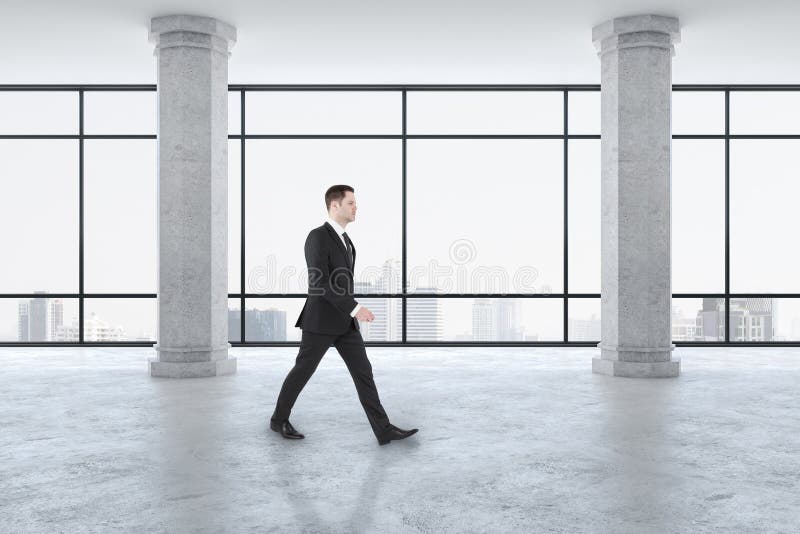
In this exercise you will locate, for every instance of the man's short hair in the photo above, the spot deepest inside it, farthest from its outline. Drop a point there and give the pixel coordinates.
(337, 193)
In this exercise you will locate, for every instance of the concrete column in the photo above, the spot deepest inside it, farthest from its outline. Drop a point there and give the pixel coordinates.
(636, 84)
(192, 57)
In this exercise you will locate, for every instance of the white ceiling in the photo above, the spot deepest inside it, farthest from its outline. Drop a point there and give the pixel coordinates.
(396, 41)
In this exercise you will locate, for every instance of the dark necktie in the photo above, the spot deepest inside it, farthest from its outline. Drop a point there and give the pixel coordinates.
(349, 248)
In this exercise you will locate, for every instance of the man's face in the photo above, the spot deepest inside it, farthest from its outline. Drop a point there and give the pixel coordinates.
(346, 209)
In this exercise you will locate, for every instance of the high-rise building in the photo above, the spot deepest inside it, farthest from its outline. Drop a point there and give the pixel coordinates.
(482, 320)
(265, 325)
(751, 319)
(496, 320)
(507, 319)
(584, 329)
(38, 319)
(56, 317)
(24, 320)
(391, 282)
(376, 330)
(388, 311)
(424, 321)
(711, 320)
(234, 325)
(33, 322)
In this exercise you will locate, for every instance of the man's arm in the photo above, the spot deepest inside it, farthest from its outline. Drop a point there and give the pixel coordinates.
(320, 279)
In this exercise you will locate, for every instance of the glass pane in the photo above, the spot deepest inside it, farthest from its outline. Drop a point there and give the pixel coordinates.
(38, 319)
(698, 112)
(234, 215)
(234, 112)
(38, 112)
(119, 319)
(480, 319)
(485, 112)
(485, 215)
(785, 320)
(698, 319)
(584, 216)
(272, 319)
(584, 320)
(120, 112)
(39, 215)
(584, 112)
(752, 319)
(120, 188)
(764, 188)
(324, 112)
(698, 216)
(765, 112)
(388, 323)
(234, 320)
(286, 184)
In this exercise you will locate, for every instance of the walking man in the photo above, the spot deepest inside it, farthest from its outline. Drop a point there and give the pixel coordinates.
(330, 317)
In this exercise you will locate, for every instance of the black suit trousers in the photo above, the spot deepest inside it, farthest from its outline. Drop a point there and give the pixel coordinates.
(350, 346)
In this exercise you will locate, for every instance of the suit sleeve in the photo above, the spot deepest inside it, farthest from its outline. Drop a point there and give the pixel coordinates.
(320, 278)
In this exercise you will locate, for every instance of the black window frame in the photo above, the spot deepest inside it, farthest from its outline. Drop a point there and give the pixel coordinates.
(403, 137)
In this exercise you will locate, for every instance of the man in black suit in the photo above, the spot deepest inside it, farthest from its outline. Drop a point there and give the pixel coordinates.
(330, 316)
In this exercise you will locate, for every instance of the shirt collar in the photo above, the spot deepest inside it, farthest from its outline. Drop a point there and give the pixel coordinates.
(336, 226)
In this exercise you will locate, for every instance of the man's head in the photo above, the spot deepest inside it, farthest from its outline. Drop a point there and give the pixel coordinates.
(341, 204)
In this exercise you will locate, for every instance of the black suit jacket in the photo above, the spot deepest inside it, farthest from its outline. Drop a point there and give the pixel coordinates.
(330, 284)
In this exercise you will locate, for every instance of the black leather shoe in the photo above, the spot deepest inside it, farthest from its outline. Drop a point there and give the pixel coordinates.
(286, 429)
(395, 433)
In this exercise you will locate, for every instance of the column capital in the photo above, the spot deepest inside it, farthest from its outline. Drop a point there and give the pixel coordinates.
(192, 30)
(655, 31)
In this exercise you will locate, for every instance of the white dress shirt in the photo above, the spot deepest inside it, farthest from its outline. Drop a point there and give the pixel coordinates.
(340, 231)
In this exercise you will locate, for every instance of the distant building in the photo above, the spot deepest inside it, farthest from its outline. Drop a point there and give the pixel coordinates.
(507, 320)
(584, 329)
(496, 320)
(711, 320)
(265, 325)
(56, 317)
(234, 325)
(482, 320)
(751, 319)
(424, 321)
(24, 320)
(38, 319)
(375, 330)
(388, 324)
(94, 329)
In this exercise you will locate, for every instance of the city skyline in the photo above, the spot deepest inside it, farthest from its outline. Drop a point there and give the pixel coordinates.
(487, 319)
(41, 319)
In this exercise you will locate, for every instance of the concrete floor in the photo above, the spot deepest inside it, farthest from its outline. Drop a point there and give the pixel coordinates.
(511, 440)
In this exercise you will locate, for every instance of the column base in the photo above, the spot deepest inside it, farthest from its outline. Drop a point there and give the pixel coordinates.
(192, 369)
(667, 369)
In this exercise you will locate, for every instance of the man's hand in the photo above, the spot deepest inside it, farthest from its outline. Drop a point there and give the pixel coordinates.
(365, 315)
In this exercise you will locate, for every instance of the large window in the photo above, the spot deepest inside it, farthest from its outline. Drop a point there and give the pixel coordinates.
(78, 212)
(735, 175)
(478, 212)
